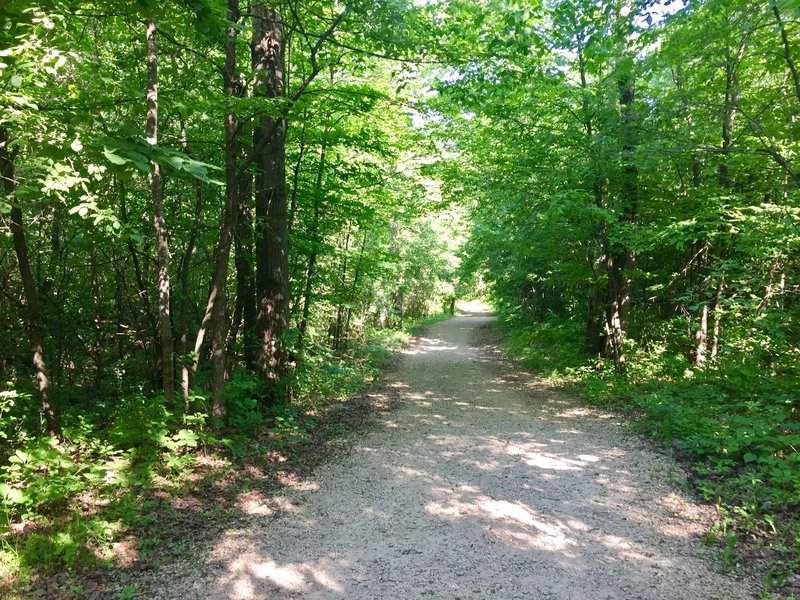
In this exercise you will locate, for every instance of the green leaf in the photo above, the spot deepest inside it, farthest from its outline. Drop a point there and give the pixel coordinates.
(113, 157)
(11, 495)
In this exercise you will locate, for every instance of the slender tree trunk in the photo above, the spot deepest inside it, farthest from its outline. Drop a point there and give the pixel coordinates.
(296, 172)
(619, 256)
(119, 307)
(354, 285)
(184, 271)
(245, 277)
(97, 319)
(183, 320)
(730, 110)
(159, 222)
(269, 142)
(312, 258)
(717, 312)
(787, 51)
(702, 338)
(614, 312)
(33, 320)
(337, 328)
(593, 338)
(219, 324)
(707, 302)
(307, 297)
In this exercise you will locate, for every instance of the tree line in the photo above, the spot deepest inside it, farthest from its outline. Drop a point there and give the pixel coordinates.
(195, 188)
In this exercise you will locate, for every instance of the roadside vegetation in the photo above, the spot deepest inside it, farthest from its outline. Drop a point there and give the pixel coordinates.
(132, 483)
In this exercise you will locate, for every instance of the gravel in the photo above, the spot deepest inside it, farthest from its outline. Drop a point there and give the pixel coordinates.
(483, 482)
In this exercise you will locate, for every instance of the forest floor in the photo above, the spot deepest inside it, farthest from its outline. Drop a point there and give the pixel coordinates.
(477, 480)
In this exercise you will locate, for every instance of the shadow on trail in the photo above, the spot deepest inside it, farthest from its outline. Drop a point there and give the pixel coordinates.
(482, 484)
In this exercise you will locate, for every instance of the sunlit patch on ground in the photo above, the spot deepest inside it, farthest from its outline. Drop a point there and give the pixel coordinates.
(478, 481)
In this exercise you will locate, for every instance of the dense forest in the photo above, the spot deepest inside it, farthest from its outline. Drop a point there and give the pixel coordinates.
(216, 213)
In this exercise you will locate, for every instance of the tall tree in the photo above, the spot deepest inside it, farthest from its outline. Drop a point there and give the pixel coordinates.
(269, 156)
(159, 222)
(33, 313)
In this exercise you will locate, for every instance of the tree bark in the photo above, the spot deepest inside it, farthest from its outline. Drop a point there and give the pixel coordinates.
(354, 285)
(787, 50)
(716, 310)
(184, 271)
(159, 222)
(619, 256)
(219, 324)
(312, 258)
(33, 314)
(296, 172)
(730, 109)
(593, 340)
(702, 338)
(269, 141)
(337, 327)
(245, 277)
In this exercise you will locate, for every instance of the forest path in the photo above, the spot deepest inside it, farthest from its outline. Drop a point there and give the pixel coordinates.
(484, 483)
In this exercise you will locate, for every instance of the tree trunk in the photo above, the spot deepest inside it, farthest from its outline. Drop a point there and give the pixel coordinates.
(354, 285)
(219, 324)
(702, 338)
(185, 269)
(787, 51)
(312, 258)
(183, 320)
(615, 310)
(269, 141)
(296, 172)
(307, 295)
(245, 278)
(618, 256)
(593, 340)
(119, 308)
(33, 320)
(159, 223)
(337, 328)
(717, 311)
(730, 109)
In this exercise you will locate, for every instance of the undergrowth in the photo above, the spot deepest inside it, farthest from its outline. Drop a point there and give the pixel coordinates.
(735, 425)
(65, 503)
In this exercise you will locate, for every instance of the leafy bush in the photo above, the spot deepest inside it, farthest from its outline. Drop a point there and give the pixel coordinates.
(141, 425)
(241, 396)
(43, 475)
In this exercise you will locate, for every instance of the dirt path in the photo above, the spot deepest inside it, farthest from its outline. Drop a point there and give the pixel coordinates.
(481, 485)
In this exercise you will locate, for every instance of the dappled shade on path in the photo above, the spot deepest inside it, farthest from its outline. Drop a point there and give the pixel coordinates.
(484, 483)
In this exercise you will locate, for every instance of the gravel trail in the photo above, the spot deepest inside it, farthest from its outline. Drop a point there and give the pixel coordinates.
(484, 483)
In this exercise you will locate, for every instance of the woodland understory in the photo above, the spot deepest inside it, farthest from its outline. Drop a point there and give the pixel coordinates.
(218, 218)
